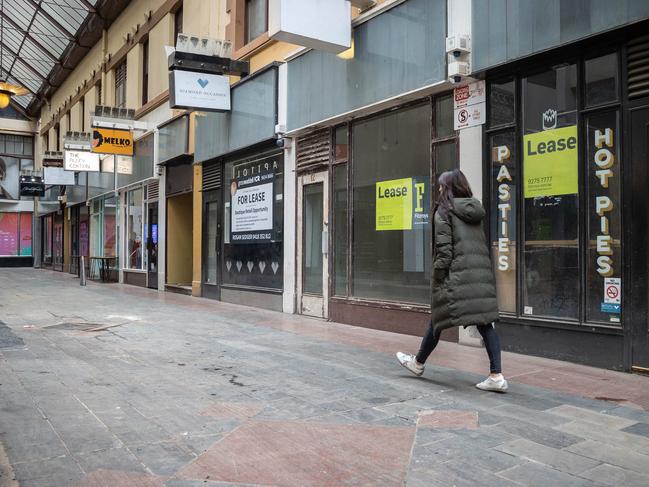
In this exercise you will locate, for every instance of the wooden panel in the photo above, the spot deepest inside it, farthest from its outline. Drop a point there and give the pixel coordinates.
(313, 151)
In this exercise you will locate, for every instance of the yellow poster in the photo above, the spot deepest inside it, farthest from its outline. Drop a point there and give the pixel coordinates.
(394, 204)
(112, 141)
(551, 162)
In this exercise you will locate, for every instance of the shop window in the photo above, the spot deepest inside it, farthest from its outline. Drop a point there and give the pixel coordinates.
(145, 72)
(604, 209)
(47, 239)
(120, 85)
(25, 229)
(110, 237)
(135, 229)
(256, 19)
(502, 103)
(601, 80)
(391, 230)
(551, 210)
(444, 116)
(211, 223)
(341, 143)
(445, 158)
(254, 227)
(341, 229)
(504, 180)
(9, 234)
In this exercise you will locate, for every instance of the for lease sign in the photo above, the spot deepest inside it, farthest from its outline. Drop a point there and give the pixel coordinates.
(550, 162)
(252, 208)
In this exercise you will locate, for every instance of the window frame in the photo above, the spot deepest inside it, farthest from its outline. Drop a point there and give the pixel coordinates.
(120, 84)
(145, 72)
(583, 112)
(128, 227)
(246, 33)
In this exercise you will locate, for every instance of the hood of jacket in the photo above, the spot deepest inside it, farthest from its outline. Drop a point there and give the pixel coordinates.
(469, 210)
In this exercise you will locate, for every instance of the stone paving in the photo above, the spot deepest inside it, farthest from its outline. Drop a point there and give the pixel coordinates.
(112, 385)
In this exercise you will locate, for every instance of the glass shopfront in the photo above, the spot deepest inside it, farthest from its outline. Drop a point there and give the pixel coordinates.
(555, 192)
(382, 245)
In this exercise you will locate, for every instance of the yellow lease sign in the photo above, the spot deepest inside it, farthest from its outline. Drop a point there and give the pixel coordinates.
(112, 141)
(394, 204)
(550, 162)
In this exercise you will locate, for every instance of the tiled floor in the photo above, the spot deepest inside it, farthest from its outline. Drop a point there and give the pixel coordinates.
(180, 392)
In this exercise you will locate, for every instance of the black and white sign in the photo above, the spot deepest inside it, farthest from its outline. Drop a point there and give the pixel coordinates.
(81, 161)
(58, 176)
(252, 208)
(613, 290)
(32, 186)
(202, 91)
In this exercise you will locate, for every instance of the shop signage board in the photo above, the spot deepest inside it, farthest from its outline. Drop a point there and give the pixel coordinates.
(550, 162)
(124, 164)
(81, 161)
(401, 204)
(469, 105)
(58, 176)
(251, 212)
(112, 141)
(32, 187)
(208, 92)
(612, 290)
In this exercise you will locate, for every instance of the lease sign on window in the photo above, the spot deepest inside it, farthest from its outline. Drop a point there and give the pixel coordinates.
(401, 204)
(550, 162)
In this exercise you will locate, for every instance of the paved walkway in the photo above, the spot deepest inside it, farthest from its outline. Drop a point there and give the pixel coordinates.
(113, 385)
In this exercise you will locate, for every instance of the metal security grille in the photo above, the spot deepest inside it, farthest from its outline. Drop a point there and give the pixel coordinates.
(153, 190)
(212, 177)
(313, 150)
(638, 67)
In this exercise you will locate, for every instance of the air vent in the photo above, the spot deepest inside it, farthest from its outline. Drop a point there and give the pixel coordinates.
(313, 150)
(153, 190)
(638, 67)
(212, 177)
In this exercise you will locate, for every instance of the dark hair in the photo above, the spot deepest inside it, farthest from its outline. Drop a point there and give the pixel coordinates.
(453, 185)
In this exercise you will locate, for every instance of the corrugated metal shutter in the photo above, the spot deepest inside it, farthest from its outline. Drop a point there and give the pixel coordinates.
(153, 190)
(212, 177)
(638, 67)
(313, 150)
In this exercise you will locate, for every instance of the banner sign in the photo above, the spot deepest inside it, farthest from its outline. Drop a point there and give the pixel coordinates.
(81, 161)
(112, 141)
(251, 212)
(401, 204)
(209, 92)
(550, 162)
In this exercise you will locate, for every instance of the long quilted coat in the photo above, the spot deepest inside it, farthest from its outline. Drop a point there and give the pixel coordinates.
(464, 290)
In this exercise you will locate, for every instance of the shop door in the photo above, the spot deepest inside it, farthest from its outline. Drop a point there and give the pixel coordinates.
(211, 246)
(58, 243)
(313, 245)
(152, 245)
(638, 299)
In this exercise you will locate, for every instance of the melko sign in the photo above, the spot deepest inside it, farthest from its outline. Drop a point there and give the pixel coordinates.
(112, 141)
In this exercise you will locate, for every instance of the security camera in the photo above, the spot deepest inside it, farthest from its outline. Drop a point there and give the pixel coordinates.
(283, 143)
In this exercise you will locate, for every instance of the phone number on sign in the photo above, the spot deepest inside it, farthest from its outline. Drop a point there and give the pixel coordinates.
(545, 180)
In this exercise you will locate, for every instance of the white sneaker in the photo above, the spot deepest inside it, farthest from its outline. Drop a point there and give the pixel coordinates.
(494, 385)
(410, 363)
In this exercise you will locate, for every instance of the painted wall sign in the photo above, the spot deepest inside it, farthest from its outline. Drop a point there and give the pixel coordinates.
(401, 204)
(112, 141)
(251, 212)
(501, 155)
(208, 92)
(550, 162)
(81, 161)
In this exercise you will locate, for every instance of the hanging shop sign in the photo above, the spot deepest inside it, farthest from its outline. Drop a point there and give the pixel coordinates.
(251, 212)
(32, 186)
(469, 105)
(112, 141)
(201, 91)
(550, 162)
(124, 164)
(81, 161)
(58, 176)
(501, 155)
(401, 204)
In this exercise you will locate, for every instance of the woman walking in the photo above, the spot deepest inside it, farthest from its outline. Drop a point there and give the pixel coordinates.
(464, 290)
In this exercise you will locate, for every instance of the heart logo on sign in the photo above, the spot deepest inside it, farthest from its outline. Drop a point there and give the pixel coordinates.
(262, 266)
(202, 82)
(228, 264)
(274, 266)
(239, 265)
(250, 265)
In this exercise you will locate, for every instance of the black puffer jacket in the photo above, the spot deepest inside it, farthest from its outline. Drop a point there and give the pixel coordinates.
(464, 291)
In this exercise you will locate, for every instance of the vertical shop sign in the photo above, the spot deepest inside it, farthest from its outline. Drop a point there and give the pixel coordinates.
(501, 155)
(252, 208)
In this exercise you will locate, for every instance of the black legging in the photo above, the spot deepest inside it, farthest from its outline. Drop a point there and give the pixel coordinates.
(489, 335)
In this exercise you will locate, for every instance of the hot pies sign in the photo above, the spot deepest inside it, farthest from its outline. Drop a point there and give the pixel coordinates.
(112, 141)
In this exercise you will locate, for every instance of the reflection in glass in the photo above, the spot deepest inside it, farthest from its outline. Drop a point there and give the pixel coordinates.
(444, 116)
(601, 79)
(341, 143)
(312, 225)
(502, 103)
(212, 215)
(256, 20)
(134, 228)
(9, 234)
(341, 232)
(392, 264)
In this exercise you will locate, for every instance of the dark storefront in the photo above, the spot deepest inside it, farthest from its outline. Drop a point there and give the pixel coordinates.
(565, 168)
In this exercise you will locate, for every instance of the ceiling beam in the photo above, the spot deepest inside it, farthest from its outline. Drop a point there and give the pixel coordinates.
(89, 6)
(29, 36)
(24, 63)
(64, 31)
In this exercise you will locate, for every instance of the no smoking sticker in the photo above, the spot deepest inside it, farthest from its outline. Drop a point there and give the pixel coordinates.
(612, 290)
